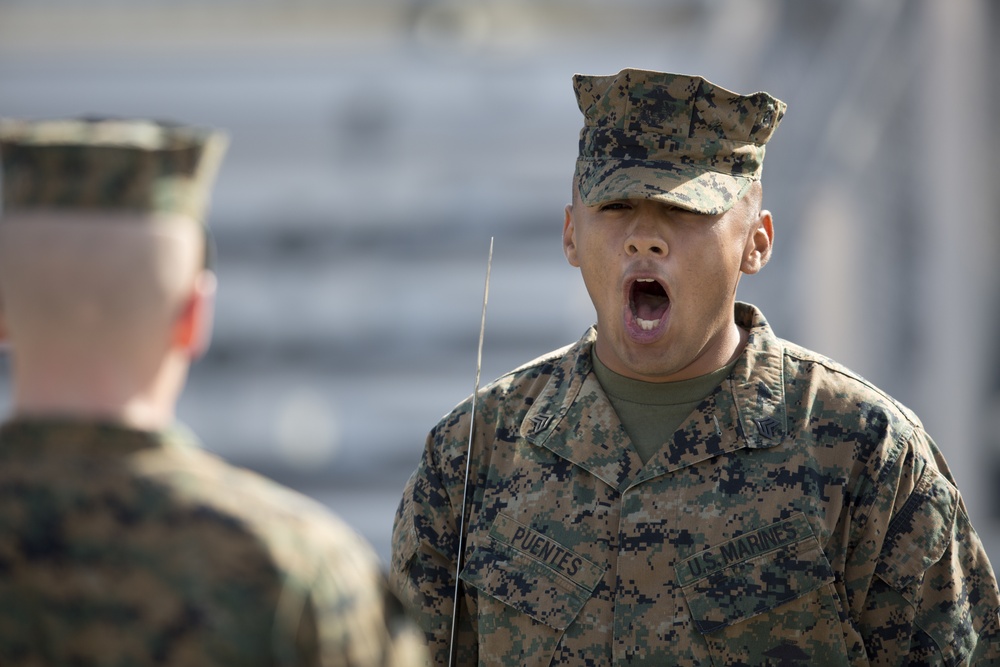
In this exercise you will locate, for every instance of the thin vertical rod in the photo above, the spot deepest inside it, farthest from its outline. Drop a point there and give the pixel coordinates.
(468, 462)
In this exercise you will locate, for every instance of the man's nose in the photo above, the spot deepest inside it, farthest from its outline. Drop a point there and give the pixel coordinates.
(645, 237)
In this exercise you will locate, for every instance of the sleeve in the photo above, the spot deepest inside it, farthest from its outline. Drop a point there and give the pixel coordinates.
(335, 608)
(929, 596)
(405, 646)
(425, 539)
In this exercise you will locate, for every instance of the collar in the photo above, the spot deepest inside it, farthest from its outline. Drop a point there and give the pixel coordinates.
(574, 419)
(60, 436)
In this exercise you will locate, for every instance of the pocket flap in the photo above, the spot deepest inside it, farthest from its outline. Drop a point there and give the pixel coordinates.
(919, 534)
(532, 573)
(753, 573)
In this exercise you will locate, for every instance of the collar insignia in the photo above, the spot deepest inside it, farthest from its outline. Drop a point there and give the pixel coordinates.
(539, 423)
(769, 427)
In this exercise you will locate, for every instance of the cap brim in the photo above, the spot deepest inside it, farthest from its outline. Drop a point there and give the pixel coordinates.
(706, 192)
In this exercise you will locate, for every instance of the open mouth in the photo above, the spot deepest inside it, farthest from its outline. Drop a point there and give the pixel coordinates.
(649, 302)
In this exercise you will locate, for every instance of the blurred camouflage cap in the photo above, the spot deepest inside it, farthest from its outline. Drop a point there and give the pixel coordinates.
(137, 166)
(670, 137)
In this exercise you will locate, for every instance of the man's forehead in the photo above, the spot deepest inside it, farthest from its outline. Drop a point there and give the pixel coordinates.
(636, 201)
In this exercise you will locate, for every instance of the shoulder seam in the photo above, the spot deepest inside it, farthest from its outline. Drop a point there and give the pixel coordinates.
(538, 361)
(841, 370)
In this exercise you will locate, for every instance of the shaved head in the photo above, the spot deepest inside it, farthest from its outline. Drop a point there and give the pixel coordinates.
(95, 296)
(97, 277)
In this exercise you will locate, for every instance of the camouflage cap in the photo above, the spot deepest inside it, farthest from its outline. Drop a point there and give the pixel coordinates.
(138, 166)
(670, 137)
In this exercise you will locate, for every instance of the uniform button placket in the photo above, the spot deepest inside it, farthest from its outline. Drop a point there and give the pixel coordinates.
(625, 580)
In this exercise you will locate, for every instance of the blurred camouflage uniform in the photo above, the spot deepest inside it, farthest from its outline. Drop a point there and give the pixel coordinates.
(799, 516)
(128, 547)
(124, 547)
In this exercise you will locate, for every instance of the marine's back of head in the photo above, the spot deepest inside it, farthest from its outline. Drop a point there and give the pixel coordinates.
(102, 255)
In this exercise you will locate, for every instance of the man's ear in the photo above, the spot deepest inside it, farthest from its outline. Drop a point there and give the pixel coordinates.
(757, 251)
(569, 237)
(193, 326)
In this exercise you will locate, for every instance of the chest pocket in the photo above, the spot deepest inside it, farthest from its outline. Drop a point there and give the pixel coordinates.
(766, 598)
(530, 573)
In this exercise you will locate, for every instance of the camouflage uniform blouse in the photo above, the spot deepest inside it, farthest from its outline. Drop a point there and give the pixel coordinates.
(799, 517)
(126, 548)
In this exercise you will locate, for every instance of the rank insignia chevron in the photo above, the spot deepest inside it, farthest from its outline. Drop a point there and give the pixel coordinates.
(539, 423)
(768, 427)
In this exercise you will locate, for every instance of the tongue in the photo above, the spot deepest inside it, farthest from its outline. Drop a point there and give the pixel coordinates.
(650, 306)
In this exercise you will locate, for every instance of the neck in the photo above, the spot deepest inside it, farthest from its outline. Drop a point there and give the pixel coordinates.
(742, 336)
(96, 392)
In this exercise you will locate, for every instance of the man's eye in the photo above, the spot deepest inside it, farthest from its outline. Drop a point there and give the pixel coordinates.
(615, 206)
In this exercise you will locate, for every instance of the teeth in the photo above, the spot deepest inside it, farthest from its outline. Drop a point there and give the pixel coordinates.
(645, 280)
(647, 325)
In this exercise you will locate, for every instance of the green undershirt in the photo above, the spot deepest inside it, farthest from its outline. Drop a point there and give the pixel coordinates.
(652, 411)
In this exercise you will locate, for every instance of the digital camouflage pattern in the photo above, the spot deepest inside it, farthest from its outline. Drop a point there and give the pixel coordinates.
(799, 516)
(670, 137)
(136, 166)
(122, 547)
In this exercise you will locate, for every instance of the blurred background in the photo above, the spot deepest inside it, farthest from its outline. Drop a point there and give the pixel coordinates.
(377, 145)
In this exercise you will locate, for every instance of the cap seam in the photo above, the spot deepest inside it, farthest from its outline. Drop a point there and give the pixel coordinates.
(748, 142)
(650, 163)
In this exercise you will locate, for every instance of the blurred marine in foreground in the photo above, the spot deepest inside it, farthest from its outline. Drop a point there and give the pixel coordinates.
(681, 486)
(121, 541)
